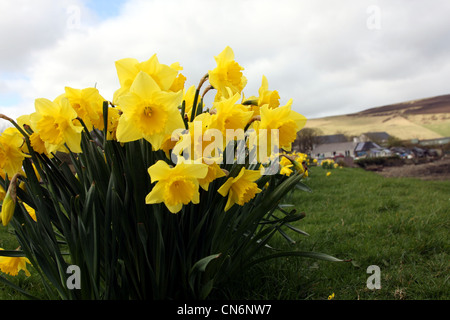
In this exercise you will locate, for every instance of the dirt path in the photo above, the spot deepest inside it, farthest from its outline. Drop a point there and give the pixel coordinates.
(437, 170)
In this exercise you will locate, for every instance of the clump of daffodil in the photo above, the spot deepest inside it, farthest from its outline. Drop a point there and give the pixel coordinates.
(176, 186)
(11, 155)
(296, 160)
(57, 125)
(152, 123)
(12, 265)
(327, 164)
(148, 112)
(240, 189)
(286, 166)
(227, 74)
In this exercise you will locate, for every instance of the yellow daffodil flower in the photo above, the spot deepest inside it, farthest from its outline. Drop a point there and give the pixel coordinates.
(266, 96)
(283, 119)
(214, 172)
(37, 143)
(57, 125)
(230, 115)
(240, 189)
(12, 265)
(165, 76)
(148, 112)
(11, 155)
(178, 83)
(88, 103)
(227, 74)
(175, 186)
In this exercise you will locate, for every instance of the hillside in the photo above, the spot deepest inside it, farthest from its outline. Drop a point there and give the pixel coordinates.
(417, 119)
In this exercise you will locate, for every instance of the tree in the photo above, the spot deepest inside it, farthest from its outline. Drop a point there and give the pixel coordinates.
(306, 139)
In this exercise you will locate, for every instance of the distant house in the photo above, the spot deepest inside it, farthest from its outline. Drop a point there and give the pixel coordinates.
(334, 146)
(370, 149)
(331, 150)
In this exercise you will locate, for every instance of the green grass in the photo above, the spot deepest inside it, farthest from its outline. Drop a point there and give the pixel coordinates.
(398, 224)
(31, 284)
(440, 128)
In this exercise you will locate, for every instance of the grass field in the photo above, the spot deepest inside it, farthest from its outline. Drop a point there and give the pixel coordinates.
(441, 128)
(398, 224)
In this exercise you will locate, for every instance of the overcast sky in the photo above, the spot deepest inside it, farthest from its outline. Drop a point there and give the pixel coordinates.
(331, 57)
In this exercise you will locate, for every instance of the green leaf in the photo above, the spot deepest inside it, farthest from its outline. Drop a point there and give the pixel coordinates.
(303, 187)
(194, 105)
(105, 119)
(198, 267)
(296, 229)
(305, 254)
(12, 253)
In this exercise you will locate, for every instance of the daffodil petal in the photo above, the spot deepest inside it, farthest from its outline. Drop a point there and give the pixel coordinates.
(159, 171)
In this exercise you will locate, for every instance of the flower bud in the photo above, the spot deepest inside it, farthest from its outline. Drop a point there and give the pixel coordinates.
(9, 203)
(8, 206)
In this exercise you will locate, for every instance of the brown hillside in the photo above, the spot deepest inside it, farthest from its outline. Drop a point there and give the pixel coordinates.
(427, 118)
(439, 104)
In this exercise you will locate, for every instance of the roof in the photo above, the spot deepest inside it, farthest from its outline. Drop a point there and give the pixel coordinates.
(377, 135)
(366, 146)
(334, 138)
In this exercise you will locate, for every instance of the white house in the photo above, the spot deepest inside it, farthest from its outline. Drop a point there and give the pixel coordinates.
(330, 150)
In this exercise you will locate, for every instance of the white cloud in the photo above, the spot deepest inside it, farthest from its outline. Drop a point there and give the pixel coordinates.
(322, 53)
